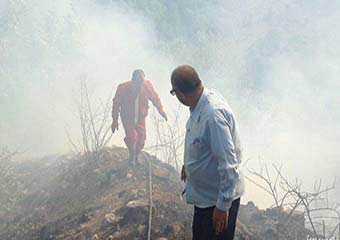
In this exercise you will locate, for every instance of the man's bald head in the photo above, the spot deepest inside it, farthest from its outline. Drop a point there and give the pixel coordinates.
(186, 79)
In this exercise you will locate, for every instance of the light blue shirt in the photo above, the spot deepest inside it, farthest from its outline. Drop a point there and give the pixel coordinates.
(212, 154)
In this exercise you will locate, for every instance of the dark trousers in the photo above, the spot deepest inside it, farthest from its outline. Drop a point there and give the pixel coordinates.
(203, 228)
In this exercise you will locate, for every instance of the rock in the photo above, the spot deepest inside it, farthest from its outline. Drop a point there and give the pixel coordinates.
(118, 235)
(161, 173)
(129, 175)
(110, 217)
(137, 203)
(141, 228)
(172, 229)
(176, 228)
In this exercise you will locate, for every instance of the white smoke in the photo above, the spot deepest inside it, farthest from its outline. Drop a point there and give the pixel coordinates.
(47, 47)
(277, 63)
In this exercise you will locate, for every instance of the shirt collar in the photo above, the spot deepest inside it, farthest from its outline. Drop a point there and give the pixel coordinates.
(195, 112)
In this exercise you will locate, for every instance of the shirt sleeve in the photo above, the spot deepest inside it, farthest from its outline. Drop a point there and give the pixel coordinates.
(154, 98)
(221, 126)
(116, 104)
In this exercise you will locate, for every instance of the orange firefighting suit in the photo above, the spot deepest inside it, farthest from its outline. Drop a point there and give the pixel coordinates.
(133, 104)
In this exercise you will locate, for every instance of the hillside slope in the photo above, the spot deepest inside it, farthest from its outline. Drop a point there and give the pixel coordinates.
(73, 198)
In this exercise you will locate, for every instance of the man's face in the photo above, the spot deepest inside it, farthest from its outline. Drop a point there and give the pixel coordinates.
(180, 96)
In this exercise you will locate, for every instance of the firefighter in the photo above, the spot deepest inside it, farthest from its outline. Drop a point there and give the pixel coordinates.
(131, 101)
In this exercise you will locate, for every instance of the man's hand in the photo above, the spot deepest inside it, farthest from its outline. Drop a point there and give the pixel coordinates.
(163, 114)
(220, 220)
(114, 127)
(183, 176)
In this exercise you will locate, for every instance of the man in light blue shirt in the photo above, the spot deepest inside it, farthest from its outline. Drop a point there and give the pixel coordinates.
(212, 155)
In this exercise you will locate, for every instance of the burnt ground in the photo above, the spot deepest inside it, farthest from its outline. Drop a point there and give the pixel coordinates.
(63, 197)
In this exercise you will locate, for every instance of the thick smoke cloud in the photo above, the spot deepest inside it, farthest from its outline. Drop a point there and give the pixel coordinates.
(291, 69)
(277, 63)
(48, 47)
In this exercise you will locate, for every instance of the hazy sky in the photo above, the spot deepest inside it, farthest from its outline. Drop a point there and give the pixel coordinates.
(277, 64)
